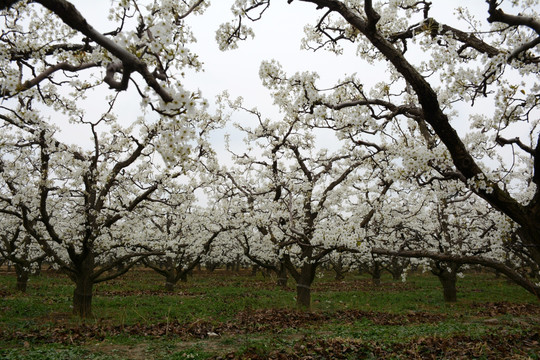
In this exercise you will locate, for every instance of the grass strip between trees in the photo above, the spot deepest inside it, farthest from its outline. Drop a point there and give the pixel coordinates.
(228, 315)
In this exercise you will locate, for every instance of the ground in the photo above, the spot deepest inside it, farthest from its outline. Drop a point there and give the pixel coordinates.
(231, 315)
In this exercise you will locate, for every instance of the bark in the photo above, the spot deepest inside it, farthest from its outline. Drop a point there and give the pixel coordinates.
(82, 296)
(169, 286)
(170, 281)
(396, 275)
(339, 270)
(304, 278)
(396, 268)
(211, 267)
(530, 237)
(183, 276)
(448, 281)
(282, 276)
(340, 275)
(83, 278)
(303, 296)
(22, 277)
(376, 274)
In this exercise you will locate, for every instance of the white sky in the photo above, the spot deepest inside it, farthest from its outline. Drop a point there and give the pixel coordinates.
(238, 70)
(277, 36)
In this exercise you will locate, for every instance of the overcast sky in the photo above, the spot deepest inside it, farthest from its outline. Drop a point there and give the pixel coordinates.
(277, 36)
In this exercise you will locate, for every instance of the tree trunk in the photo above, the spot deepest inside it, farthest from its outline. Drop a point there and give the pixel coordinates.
(282, 276)
(509, 272)
(340, 275)
(211, 267)
(338, 270)
(22, 277)
(376, 274)
(170, 281)
(37, 272)
(82, 296)
(448, 280)
(530, 233)
(184, 276)
(303, 296)
(84, 284)
(169, 286)
(396, 268)
(303, 286)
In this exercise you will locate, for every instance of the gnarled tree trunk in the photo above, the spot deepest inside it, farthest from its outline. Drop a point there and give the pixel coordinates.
(304, 278)
(396, 268)
(447, 274)
(170, 281)
(339, 269)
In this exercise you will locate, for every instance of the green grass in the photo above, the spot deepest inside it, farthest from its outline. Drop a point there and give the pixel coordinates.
(217, 299)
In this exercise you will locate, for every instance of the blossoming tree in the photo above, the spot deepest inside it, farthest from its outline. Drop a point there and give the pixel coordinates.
(73, 198)
(292, 189)
(449, 221)
(476, 78)
(19, 249)
(183, 231)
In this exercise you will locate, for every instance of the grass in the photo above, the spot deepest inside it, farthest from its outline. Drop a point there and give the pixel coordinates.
(254, 318)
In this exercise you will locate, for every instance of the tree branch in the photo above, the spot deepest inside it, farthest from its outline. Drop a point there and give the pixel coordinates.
(73, 18)
(502, 141)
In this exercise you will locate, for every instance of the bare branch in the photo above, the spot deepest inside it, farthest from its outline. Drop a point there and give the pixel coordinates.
(48, 72)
